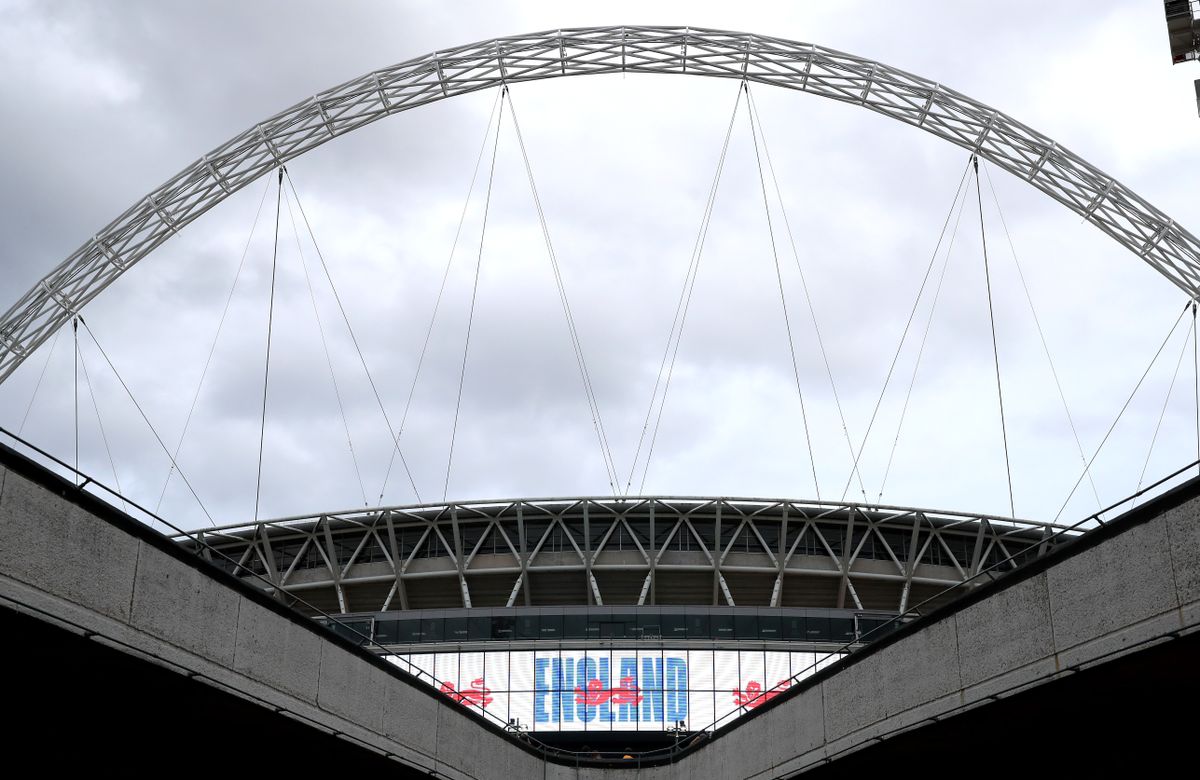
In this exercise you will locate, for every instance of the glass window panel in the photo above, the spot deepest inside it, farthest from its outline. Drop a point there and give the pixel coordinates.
(526, 627)
(697, 627)
(408, 631)
(673, 627)
(431, 630)
(769, 627)
(841, 629)
(456, 629)
(575, 626)
(502, 628)
(746, 626)
(818, 629)
(479, 628)
(387, 632)
(550, 627)
(721, 626)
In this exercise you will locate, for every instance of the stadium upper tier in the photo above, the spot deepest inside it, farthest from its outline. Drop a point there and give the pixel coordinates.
(622, 551)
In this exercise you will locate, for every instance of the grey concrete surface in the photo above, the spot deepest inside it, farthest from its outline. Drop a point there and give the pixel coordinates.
(59, 561)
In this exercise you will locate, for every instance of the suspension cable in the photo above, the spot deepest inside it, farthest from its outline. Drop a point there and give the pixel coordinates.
(1163, 413)
(987, 275)
(103, 435)
(1128, 400)
(924, 340)
(146, 420)
(787, 322)
(38, 385)
(462, 376)
(675, 334)
(987, 174)
(576, 342)
(262, 433)
(213, 347)
(337, 393)
(75, 390)
(441, 292)
(904, 334)
(353, 338)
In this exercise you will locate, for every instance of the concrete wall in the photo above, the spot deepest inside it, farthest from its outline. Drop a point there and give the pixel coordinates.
(1089, 605)
(1134, 585)
(61, 562)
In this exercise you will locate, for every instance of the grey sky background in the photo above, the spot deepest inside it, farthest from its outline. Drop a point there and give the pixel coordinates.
(105, 101)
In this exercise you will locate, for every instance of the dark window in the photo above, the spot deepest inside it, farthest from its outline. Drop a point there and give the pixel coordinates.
(794, 627)
(550, 627)
(697, 627)
(502, 628)
(575, 626)
(721, 627)
(431, 630)
(527, 627)
(387, 632)
(357, 631)
(673, 627)
(768, 627)
(479, 628)
(630, 622)
(456, 629)
(817, 629)
(650, 625)
(408, 631)
(746, 626)
(841, 629)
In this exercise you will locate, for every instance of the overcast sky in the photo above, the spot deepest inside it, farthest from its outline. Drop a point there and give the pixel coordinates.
(106, 101)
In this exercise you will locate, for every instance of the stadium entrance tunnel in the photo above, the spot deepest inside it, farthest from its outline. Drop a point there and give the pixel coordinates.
(125, 649)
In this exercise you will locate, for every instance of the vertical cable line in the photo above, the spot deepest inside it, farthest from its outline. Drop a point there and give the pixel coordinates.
(75, 389)
(1125, 406)
(921, 350)
(146, 420)
(325, 348)
(1196, 376)
(904, 334)
(262, 433)
(675, 334)
(987, 275)
(462, 376)
(103, 435)
(576, 342)
(1041, 334)
(1163, 413)
(787, 322)
(462, 218)
(38, 385)
(353, 338)
(212, 348)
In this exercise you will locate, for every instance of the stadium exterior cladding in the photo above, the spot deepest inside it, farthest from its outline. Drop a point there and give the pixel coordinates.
(508, 556)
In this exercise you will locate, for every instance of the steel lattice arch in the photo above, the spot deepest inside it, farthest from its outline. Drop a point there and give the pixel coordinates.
(1106, 203)
(624, 551)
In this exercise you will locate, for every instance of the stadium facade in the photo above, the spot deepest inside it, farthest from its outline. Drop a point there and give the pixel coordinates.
(581, 618)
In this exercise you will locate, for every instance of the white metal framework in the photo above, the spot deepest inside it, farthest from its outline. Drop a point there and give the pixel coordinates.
(608, 551)
(1064, 176)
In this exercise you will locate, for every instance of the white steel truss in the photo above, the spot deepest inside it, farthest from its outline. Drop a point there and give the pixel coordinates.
(994, 136)
(598, 551)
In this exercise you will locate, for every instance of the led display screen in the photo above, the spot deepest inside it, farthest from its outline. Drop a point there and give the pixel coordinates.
(614, 690)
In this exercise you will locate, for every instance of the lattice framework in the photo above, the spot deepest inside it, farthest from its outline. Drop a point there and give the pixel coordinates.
(1106, 203)
(834, 536)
